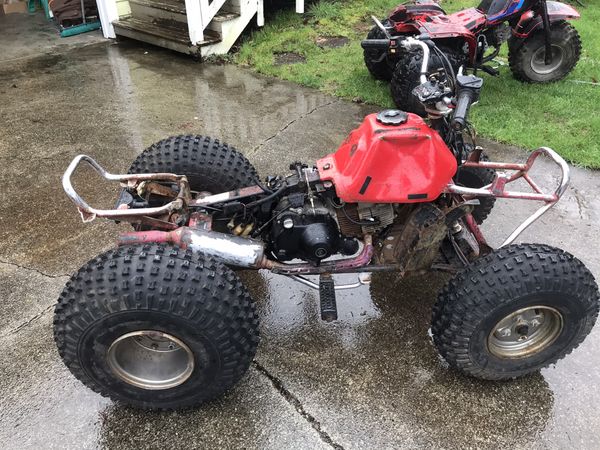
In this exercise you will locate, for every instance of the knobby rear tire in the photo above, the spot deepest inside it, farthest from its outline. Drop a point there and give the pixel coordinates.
(209, 164)
(159, 288)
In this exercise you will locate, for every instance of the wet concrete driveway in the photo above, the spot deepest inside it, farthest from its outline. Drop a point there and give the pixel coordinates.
(371, 380)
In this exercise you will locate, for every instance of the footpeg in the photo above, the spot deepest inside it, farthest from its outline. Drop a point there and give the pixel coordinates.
(327, 298)
(490, 70)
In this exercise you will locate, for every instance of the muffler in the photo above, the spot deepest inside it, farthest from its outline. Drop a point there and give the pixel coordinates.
(228, 249)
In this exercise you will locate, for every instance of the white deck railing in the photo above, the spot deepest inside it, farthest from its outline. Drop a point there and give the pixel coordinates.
(199, 14)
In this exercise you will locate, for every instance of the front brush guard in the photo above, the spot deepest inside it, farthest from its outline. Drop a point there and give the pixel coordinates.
(498, 187)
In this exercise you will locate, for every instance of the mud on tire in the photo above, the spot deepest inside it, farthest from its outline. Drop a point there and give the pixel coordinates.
(509, 288)
(526, 56)
(154, 326)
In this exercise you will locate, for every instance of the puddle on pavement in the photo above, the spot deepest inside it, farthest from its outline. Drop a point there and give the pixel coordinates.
(378, 365)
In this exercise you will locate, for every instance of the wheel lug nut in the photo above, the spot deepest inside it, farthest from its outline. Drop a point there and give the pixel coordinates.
(504, 332)
(523, 330)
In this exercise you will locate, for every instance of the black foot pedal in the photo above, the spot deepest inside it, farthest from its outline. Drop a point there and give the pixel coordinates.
(327, 297)
(490, 70)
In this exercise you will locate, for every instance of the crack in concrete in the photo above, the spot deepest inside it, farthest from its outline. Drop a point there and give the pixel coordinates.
(32, 269)
(581, 203)
(289, 124)
(295, 402)
(28, 322)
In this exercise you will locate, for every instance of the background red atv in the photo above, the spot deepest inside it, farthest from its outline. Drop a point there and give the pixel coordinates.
(543, 47)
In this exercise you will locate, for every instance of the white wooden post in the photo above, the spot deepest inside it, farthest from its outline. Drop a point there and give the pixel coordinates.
(193, 11)
(108, 12)
(300, 6)
(260, 13)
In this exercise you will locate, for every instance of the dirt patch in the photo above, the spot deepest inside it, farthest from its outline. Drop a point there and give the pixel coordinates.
(364, 27)
(332, 41)
(288, 58)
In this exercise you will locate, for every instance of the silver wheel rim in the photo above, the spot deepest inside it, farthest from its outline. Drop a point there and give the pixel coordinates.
(525, 332)
(537, 60)
(151, 360)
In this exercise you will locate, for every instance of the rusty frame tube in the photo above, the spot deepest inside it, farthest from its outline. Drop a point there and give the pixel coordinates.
(498, 187)
(88, 213)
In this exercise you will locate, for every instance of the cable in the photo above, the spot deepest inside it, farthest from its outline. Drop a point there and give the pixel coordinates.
(267, 198)
(264, 225)
(265, 189)
(447, 65)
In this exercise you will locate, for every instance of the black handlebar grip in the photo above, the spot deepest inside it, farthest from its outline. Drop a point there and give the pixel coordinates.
(382, 44)
(463, 103)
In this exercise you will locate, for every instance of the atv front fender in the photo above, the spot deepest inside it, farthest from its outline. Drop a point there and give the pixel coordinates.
(530, 22)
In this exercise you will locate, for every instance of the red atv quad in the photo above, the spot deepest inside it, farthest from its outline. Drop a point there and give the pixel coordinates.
(542, 46)
(163, 320)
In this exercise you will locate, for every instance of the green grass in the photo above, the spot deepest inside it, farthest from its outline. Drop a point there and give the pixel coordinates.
(563, 115)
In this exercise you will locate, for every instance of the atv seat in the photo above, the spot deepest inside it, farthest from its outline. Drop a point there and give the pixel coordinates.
(494, 7)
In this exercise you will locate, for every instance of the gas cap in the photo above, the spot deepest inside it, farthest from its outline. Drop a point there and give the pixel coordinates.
(392, 117)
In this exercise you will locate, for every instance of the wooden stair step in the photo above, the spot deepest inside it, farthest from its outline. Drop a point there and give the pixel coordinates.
(169, 30)
(224, 16)
(176, 6)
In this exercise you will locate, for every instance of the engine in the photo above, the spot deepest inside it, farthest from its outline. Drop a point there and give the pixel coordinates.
(312, 224)
(305, 228)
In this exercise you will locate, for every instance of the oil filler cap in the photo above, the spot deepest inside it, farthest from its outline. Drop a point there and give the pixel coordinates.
(392, 117)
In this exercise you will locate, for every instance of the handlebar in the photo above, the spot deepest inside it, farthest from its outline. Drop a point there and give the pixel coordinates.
(468, 87)
(461, 111)
(379, 44)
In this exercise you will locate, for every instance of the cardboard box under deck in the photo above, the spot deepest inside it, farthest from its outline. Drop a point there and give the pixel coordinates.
(16, 7)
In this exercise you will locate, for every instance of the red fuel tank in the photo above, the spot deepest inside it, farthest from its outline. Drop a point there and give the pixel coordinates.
(393, 157)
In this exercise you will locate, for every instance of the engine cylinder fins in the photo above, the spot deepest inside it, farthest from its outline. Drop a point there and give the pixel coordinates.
(348, 220)
(381, 214)
(352, 215)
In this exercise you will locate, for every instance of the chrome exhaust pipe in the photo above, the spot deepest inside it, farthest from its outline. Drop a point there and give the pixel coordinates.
(228, 249)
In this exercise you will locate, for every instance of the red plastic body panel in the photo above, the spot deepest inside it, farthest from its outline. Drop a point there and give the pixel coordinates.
(408, 163)
(461, 24)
